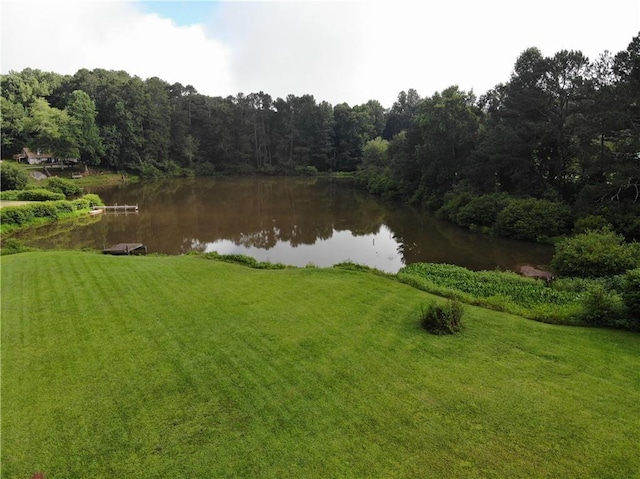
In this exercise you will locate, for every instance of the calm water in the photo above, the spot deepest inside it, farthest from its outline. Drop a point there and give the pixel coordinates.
(322, 221)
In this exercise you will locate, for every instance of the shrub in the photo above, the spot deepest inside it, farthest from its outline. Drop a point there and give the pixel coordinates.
(443, 319)
(38, 195)
(64, 206)
(61, 185)
(44, 210)
(591, 222)
(481, 210)
(454, 201)
(93, 199)
(248, 261)
(9, 195)
(81, 203)
(12, 177)
(306, 170)
(377, 180)
(533, 220)
(602, 307)
(594, 254)
(149, 171)
(204, 169)
(16, 215)
(631, 297)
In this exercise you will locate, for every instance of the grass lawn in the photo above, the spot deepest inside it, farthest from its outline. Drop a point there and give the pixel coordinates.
(180, 367)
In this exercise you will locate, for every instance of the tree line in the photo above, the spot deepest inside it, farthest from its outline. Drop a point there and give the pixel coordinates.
(562, 129)
(113, 119)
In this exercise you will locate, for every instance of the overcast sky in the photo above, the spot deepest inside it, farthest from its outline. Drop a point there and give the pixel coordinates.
(340, 51)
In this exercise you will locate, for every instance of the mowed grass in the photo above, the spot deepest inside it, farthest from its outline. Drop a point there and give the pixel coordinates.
(180, 367)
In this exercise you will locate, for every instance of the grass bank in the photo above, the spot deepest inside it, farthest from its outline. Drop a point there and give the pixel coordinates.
(181, 367)
(31, 214)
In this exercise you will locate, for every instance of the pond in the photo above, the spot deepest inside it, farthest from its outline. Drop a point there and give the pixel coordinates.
(295, 221)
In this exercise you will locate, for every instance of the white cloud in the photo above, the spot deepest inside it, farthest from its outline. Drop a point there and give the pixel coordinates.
(337, 51)
(295, 47)
(356, 51)
(69, 35)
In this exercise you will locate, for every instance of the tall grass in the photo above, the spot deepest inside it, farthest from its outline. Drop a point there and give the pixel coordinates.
(502, 291)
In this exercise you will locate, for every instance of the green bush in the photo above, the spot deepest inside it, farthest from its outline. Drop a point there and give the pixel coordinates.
(481, 210)
(377, 180)
(64, 206)
(93, 199)
(204, 169)
(81, 203)
(591, 222)
(151, 172)
(602, 307)
(9, 195)
(443, 319)
(31, 195)
(66, 187)
(12, 177)
(16, 215)
(533, 220)
(631, 297)
(40, 195)
(454, 201)
(44, 210)
(595, 254)
(244, 260)
(306, 170)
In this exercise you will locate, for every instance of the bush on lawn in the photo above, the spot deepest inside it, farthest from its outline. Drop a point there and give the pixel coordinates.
(443, 319)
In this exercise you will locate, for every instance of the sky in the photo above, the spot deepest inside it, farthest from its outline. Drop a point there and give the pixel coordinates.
(338, 51)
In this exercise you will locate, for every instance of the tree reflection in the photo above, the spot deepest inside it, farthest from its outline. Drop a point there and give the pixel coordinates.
(178, 216)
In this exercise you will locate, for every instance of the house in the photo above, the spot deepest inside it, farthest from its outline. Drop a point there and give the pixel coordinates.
(40, 157)
(35, 157)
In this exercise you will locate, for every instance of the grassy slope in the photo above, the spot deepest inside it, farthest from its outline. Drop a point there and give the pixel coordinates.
(182, 367)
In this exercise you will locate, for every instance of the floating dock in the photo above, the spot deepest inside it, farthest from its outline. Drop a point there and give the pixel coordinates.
(117, 207)
(126, 249)
(126, 209)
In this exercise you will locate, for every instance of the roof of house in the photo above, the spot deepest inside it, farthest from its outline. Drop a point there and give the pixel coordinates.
(26, 152)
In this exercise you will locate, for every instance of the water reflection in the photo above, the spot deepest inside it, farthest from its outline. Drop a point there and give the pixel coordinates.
(379, 250)
(293, 221)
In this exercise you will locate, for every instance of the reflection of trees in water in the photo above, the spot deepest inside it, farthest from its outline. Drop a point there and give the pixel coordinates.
(178, 216)
(256, 212)
(424, 238)
(59, 234)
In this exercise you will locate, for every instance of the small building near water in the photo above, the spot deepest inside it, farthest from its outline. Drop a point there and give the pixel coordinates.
(41, 157)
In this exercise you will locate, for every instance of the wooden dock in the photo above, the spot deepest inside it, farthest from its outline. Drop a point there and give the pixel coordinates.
(126, 249)
(114, 209)
(117, 207)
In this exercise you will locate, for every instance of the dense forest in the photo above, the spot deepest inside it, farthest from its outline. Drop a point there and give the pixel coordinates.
(561, 135)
